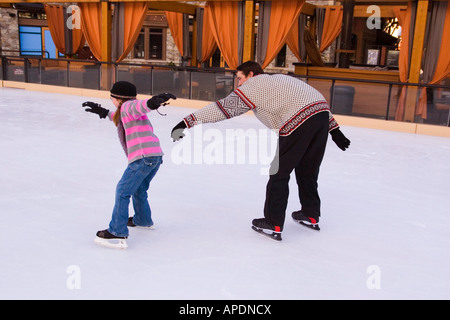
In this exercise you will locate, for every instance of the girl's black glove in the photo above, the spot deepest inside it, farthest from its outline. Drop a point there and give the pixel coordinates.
(95, 108)
(177, 131)
(341, 141)
(156, 101)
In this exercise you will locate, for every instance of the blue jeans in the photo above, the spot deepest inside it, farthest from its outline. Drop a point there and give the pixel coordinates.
(134, 183)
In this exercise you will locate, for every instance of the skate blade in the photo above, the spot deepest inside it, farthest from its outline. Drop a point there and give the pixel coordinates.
(112, 243)
(146, 228)
(272, 235)
(314, 227)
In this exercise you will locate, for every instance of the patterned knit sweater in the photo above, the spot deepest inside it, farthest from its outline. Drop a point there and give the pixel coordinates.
(280, 102)
(136, 131)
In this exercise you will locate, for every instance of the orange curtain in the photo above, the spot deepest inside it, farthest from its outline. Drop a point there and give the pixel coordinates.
(135, 13)
(209, 44)
(404, 19)
(292, 40)
(175, 22)
(91, 26)
(58, 29)
(332, 26)
(283, 15)
(442, 67)
(224, 23)
(55, 20)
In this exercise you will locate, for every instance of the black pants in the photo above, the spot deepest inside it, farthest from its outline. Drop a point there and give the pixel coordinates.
(302, 151)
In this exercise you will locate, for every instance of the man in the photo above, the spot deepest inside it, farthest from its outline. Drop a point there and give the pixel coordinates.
(303, 119)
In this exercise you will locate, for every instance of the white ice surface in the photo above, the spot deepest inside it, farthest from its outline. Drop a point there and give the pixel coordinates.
(385, 216)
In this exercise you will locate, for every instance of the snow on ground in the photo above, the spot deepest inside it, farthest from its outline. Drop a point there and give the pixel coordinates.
(385, 225)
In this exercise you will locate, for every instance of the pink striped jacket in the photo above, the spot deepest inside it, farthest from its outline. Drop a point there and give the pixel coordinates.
(140, 140)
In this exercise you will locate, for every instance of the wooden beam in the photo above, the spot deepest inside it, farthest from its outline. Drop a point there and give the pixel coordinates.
(166, 5)
(382, 2)
(309, 9)
(71, 1)
(105, 36)
(416, 58)
(346, 33)
(360, 11)
(194, 43)
(249, 31)
(172, 6)
(106, 31)
(200, 2)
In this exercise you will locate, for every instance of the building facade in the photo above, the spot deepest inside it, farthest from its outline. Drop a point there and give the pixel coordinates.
(24, 31)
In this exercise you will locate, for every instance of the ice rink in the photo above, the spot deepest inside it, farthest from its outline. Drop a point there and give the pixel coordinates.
(385, 224)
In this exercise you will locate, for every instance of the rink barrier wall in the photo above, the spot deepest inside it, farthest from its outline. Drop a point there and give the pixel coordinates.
(389, 125)
(104, 94)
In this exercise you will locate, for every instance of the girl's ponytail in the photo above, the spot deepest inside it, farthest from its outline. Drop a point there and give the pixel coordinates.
(116, 117)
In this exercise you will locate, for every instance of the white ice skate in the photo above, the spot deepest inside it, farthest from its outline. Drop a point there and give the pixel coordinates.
(131, 224)
(106, 239)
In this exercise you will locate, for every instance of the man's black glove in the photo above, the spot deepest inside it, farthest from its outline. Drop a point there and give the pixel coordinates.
(156, 101)
(177, 131)
(339, 138)
(95, 108)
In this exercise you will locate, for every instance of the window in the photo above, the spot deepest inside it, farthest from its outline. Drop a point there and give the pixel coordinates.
(280, 60)
(49, 46)
(156, 43)
(150, 44)
(37, 41)
(30, 40)
(139, 46)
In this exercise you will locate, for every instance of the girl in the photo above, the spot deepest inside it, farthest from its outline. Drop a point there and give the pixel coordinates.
(144, 155)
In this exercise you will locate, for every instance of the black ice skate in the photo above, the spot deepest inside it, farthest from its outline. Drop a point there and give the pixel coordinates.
(301, 218)
(106, 239)
(130, 223)
(267, 229)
